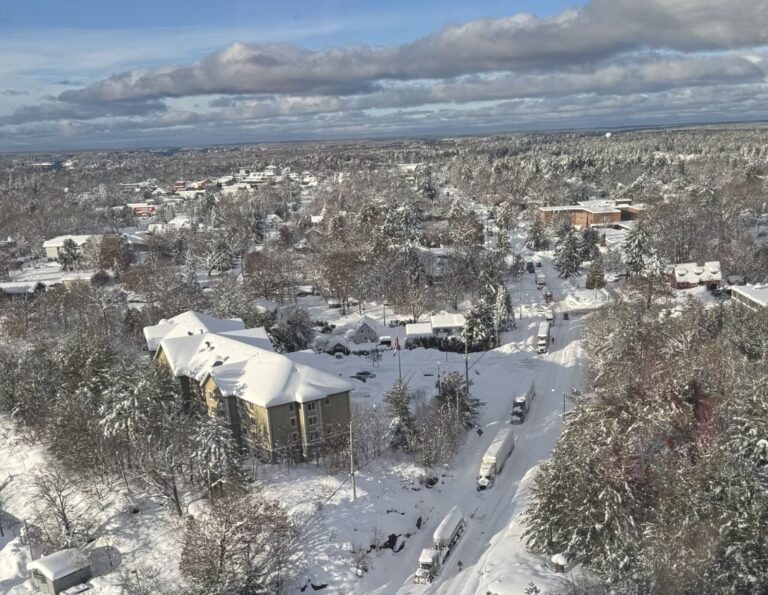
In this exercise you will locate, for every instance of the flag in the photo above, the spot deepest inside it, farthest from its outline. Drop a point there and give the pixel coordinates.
(396, 346)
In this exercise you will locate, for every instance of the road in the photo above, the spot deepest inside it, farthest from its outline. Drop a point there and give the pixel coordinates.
(495, 511)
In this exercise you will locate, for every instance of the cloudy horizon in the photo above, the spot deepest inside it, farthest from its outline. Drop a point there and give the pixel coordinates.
(342, 72)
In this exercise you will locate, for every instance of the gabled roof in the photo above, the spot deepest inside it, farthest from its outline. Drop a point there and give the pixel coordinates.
(188, 323)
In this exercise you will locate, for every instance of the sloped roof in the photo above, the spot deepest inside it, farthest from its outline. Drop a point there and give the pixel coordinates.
(195, 355)
(269, 379)
(188, 323)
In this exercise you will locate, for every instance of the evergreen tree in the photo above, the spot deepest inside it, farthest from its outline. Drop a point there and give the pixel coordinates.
(537, 236)
(398, 400)
(503, 314)
(215, 454)
(567, 254)
(69, 255)
(479, 331)
(637, 250)
(589, 241)
(596, 275)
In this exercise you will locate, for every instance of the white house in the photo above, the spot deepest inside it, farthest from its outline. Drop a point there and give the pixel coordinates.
(417, 330)
(364, 330)
(445, 324)
(53, 246)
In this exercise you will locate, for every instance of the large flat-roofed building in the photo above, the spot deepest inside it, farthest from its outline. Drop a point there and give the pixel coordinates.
(689, 274)
(754, 297)
(594, 212)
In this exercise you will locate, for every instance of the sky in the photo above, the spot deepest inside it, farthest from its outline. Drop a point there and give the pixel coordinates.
(92, 74)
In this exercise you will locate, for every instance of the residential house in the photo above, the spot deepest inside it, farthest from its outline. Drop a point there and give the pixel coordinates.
(364, 330)
(60, 571)
(142, 209)
(445, 324)
(594, 212)
(690, 274)
(53, 246)
(754, 297)
(276, 405)
(416, 331)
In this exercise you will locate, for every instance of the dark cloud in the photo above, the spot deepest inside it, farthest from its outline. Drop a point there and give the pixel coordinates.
(64, 111)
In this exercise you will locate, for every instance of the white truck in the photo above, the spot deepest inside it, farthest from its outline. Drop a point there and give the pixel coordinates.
(495, 457)
(541, 279)
(542, 339)
(522, 404)
(444, 539)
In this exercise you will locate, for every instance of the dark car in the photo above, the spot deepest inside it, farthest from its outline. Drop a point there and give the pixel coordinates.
(530, 267)
(366, 373)
(359, 377)
(566, 316)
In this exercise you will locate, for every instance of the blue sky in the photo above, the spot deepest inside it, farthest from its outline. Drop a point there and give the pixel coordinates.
(90, 74)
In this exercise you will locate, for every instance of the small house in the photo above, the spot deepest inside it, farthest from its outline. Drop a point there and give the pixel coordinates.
(416, 331)
(363, 331)
(53, 246)
(445, 324)
(59, 571)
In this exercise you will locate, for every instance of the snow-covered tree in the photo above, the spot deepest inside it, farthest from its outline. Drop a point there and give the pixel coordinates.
(479, 330)
(215, 454)
(398, 400)
(69, 255)
(537, 238)
(637, 250)
(567, 257)
(596, 274)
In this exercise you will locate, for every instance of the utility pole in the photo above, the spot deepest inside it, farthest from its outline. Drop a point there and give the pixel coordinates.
(352, 463)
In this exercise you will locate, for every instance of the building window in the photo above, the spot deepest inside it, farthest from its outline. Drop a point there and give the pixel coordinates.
(293, 422)
(294, 436)
(312, 420)
(327, 401)
(314, 436)
(311, 406)
(290, 407)
(328, 429)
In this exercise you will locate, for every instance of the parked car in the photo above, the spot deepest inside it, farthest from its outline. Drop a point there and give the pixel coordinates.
(566, 316)
(334, 303)
(359, 377)
(367, 374)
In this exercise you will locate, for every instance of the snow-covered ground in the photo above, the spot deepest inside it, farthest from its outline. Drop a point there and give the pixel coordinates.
(392, 505)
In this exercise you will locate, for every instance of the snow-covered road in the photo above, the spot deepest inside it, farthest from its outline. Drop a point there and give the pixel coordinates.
(493, 556)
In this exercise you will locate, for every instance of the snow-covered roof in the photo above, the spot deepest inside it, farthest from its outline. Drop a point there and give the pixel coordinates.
(188, 323)
(58, 241)
(448, 525)
(418, 329)
(19, 287)
(196, 355)
(269, 379)
(690, 272)
(60, 564)
(447, 320)
(754, 293)
(240, 361)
